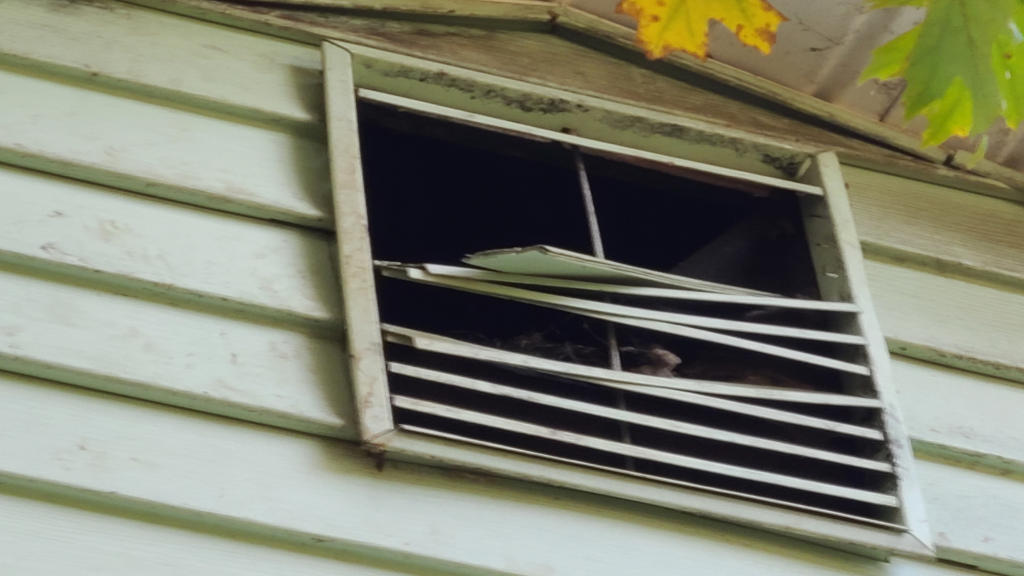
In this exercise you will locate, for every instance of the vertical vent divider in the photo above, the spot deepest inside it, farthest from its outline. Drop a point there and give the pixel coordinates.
(594, 228)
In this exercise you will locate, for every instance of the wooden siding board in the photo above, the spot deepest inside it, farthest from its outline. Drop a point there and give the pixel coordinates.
(931, 173)
(44, 537)
(938, 226)
(276, 271)
(950, 321)
(171, 354)
(962, 415)
(976, 516)
(165, 56)
(231, 476)
(906, 567)
(162, 151)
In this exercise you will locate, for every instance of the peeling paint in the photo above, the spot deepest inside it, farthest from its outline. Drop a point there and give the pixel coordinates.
(524, 102)
(647, 127)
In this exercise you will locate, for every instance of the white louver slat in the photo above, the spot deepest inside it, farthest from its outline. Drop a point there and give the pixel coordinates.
(707, 489)
(554, 300)
(641, 291)
(630, 380)
(634, 418)
(635, 451)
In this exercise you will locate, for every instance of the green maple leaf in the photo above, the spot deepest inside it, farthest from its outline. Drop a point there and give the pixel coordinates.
(890, 60)
(962, 65)
(951, 114)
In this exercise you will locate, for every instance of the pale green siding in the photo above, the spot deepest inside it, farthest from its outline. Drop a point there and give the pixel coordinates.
(173, 388)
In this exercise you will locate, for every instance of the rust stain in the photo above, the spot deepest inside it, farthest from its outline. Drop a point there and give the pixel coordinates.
(767, 35)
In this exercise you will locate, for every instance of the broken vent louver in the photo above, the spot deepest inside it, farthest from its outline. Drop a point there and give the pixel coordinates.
(757, 433)
(560, 310)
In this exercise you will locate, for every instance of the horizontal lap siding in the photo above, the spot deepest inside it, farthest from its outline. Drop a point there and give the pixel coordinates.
(238, 478)
(210, 302)
(91, 541)
(104, 286)
(950, 321)
(166, 56)
(975, 516)
(938, 226)
(137, 145)
(958, 414)
(251, 265)
(168, 353)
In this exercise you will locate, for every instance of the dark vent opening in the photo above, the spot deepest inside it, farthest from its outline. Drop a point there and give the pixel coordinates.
(665, 222)
(437, 190)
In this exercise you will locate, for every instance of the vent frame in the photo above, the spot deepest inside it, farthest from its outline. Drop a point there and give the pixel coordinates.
(823, 199)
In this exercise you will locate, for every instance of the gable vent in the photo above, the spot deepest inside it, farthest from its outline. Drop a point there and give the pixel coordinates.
(543, 306)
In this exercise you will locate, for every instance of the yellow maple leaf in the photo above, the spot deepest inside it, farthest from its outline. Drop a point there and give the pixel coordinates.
(666, 25)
